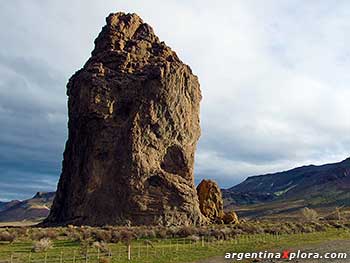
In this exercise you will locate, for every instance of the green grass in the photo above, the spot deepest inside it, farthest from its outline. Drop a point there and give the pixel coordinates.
(165, 250)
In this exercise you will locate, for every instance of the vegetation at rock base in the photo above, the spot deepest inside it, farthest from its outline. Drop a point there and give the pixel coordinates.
(159, 244)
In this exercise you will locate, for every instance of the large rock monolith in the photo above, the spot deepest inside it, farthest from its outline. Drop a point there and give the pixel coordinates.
(133, 129)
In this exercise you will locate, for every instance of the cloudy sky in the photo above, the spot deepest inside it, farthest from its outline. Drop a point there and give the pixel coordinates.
(274, 77)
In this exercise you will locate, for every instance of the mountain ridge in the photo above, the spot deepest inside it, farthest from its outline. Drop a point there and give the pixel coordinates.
(32, 209)
(326, 185)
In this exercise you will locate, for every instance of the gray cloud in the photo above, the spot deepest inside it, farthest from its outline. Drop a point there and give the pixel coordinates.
(273, 76)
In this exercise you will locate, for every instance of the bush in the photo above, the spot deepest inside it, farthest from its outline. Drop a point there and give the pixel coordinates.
(320, 227)
(126, 237)
(74, 235)
(216, 233)
(40, 234)
(249, 228)
(194, 238)
(7, 236)
(161, 233)
(22, 231)
(102, 246)
(185, 231)
(116, 237)
(85, 234)
(102, 235)
(309, 215)
(51, 234)
(42, 245)
(145, 233)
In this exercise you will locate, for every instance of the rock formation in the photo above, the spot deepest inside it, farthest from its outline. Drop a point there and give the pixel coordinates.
(210, 200)
(230, 218)
(133, 128)
(211, 203)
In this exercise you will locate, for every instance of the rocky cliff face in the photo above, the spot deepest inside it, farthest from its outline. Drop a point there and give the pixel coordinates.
(133, 128)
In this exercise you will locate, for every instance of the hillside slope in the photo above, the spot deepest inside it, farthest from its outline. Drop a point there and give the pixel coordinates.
(313, 186)
(33, 209)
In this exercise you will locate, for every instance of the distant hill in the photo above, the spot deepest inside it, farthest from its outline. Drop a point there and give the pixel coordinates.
(320, 187)
(7, 205)
(33, 209)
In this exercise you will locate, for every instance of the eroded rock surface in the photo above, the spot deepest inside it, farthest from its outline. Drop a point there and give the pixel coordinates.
(210, 200)
(211, 203)
(133, 129)
(230, 218)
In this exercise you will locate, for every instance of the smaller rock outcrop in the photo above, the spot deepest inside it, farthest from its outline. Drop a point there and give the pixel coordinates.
(210, 200)
(211, 203)
(230, 218)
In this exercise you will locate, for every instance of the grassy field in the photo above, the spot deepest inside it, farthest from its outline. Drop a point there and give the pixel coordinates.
(162, 250)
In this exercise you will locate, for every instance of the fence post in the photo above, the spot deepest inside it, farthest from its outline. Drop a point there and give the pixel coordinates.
(202, 241)
(74, 256)
(11, 260)
(129, 252)
(30, 257)
(98, 253)
(45, 258)
(61, 258)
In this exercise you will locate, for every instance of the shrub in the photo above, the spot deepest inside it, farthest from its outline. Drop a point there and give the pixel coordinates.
(116, 237)
(320, 227)
(336, 224)
(185, 231)
(145, 233)
(161, 233)
(307, 229)
(102, 235)
(309, 215)
(171, 231)
(249, 228)
(102, 246)
(85, 234)
(217, 234)
(194, 238)
(74, 235)
(36, 235)
(7, 236)
(40, 234)
(22, 231)
(42, 245)
(126, 237)
(203, 231)
(51, 234)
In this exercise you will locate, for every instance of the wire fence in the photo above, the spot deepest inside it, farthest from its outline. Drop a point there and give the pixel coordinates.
(138, 251)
